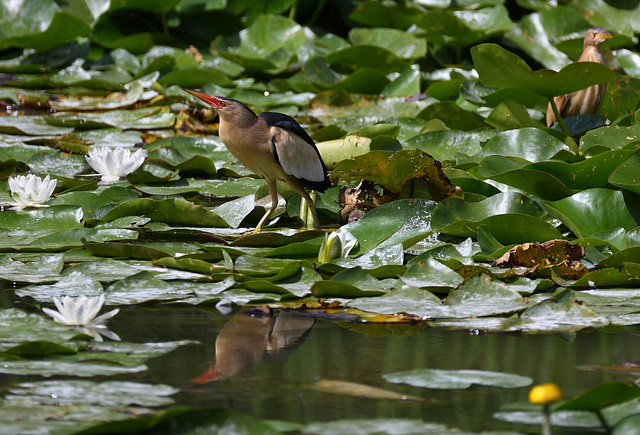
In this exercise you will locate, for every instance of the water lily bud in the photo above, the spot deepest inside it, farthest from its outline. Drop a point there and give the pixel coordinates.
(544, 394)
(331, 248)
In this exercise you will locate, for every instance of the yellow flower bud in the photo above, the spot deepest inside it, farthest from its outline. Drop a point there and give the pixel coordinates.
(545, 393)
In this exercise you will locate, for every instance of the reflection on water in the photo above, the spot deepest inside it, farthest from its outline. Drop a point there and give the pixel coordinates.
(252, 334)
(262, 366)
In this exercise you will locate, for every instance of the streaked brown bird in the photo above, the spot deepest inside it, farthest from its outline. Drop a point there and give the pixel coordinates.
(586, 100)
(270, 144)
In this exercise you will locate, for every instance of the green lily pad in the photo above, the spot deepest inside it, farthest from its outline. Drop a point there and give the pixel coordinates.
(611, 16)
(530, 144)
(175, 210)
(112, 101)
(510, 217)
(456, 379)
(55, 367)
(404, 45)
(480, 296)
(404, 299)
(39, 269)
(610, 137)
(104, 270)
(74, 284)
(464, 27)
(561, 313)
(416, 214)
(18, 326)
(144, 287)
(602, 395)
(536, 33)
(53, 218)
(407, 83)
(453, 116)
(431, 274)
(448, 144)
(22, 153)
(375, 426)
(376, 14)
(32, 126)
(629, 61)
(350, 59)
(610, 277)
(500, 68)
(77, 392)
(625, 176)
(299, 284)
(43, 26)
(377, 258)
(593, 211)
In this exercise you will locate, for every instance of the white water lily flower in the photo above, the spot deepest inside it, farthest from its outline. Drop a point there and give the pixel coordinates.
(114, 164)
(31, 190)
(81, 311)
(224, 306)
(336, 245)
(97, 332)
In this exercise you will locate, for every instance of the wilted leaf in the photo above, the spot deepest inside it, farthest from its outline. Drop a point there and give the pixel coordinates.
(359, 390)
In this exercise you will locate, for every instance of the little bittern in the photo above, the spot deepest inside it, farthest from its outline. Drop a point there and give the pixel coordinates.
(270, 144)
(586, 100)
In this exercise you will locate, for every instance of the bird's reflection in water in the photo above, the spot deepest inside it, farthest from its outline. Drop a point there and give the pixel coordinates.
(251, 335)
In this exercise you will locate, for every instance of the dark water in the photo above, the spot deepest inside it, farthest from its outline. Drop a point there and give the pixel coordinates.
(261, 367)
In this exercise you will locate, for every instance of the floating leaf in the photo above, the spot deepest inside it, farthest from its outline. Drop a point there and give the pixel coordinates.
(456, 379)
(500, 68)
(175, 210)
(600, 396)
(594, 210)
(510, 217)
(76, 392)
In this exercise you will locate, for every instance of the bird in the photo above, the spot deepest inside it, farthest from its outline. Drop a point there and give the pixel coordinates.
(585, 101)
(272, 145)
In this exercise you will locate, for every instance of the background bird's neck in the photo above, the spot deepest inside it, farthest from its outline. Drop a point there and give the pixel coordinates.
(592, 54)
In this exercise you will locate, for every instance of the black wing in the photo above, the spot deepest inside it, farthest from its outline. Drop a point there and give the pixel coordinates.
(286, 122)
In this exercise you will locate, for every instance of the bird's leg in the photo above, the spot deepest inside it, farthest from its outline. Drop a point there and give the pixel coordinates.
(314, 222)
(556, 112)
(304, 212)
(271, 185)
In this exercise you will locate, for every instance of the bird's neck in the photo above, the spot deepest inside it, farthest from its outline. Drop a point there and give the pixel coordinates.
(248, 120)
(242, 130)
(592, 54)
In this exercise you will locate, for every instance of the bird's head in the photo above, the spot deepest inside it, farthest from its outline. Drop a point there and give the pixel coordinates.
(227, 108)
(596, 36)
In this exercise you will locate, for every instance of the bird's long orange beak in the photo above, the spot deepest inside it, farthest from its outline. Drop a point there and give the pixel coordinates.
(605, 35)
(214, 102)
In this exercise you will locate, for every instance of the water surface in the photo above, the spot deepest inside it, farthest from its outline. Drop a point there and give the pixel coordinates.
(262, 365)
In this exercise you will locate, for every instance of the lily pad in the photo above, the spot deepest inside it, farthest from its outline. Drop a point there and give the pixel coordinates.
(595, 210)
(456, 379)
(500, 68)
(77, 392)
(510, 217)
